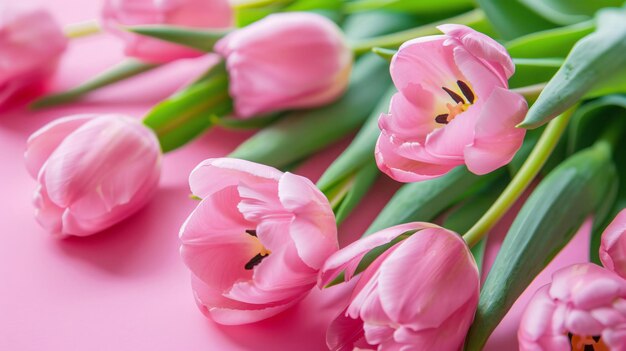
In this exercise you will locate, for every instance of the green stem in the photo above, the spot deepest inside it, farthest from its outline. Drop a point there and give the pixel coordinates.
(529, 170)
(396, 39)
(613, 133)
(530, 92)
(82, 29)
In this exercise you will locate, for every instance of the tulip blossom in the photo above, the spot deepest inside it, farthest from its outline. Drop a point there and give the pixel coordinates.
(204, 14)
(256, 241)
(420, 294)
(93, 171)
(286, 60)
(453, 107)
(31, 42)
(613, 245)
(585, 305)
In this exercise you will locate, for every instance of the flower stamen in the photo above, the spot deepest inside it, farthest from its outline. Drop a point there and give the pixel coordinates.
(466, 90)
(456, 97)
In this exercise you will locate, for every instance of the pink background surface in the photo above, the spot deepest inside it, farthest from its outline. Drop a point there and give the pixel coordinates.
(126, 288)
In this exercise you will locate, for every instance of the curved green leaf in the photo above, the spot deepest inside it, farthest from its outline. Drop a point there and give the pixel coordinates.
(422, 7)
(544, 225)
(551, 43)
(512, 19)
(594, 59)
(203, 40)
(569, 11)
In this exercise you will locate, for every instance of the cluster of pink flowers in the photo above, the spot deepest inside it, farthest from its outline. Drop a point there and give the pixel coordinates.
(260, 239)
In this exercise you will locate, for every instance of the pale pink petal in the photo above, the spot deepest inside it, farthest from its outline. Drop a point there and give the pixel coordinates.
(407, 120)
(403, 169)
(429, 295)
(307, 66)
(450, 141)
(215, 173)
(228, 316)
(47, 213)
(354, 252)
(483, 47)
(43, 142)
(496, 138)
(613, 245)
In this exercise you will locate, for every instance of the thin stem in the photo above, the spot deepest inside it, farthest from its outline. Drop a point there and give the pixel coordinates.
(530, 92)
(82, 29)
(396, 39)
(529, 170)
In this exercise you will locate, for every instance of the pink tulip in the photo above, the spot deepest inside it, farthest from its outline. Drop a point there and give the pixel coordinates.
(31, 43)
(584, 305)
(453, 107)
(420, 294)
(284, 61)
(93, 171)
(206, 14)
(613, 245)
(256, 241)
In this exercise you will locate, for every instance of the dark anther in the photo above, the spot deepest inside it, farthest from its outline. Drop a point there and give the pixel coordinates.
(453, 95)
(442, 119)
(465, 89)
(254, 261)
(251, 232)
(596, 338)
(570, 336)
(590, 348)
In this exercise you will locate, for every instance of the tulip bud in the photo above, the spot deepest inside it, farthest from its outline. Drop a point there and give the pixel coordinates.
(93, 171)
(583, 307)
(613, 245)
(420, 294)
(285, 61)
(31, 43)
(256, 241)
(453, 107)
(207, 14)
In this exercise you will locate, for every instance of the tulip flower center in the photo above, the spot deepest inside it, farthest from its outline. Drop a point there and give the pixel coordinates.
(263, 252)
(460, 104)
(587, 343)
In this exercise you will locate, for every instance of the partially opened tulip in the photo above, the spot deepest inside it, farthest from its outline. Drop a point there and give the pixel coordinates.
(613, 245)
(31, 43)
(93, 171)
(207, 14)
(420, 294)
(584, 308)
(453, 107)
(284, 61)
(256, 241)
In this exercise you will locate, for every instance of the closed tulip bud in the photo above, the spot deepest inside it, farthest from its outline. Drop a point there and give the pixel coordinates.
(203, 14)
(285, 61)
(420, 294)
(31, 42)
(583, 308)
(93, 171)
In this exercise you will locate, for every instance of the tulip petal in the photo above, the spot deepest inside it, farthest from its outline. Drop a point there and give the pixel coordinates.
(426, 297)
(408, 120)
(496, 139)
(216, 173)
(344, 332)
(227, 316)
(484, 47)
(352, 254)
(613, 245)
(42, 143)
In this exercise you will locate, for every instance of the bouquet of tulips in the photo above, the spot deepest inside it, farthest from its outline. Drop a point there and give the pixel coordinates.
(473, 106)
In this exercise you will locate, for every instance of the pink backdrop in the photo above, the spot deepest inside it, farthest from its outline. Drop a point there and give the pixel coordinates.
(126, 288)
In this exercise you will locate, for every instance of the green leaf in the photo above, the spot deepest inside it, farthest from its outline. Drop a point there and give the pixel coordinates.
(358, 185)
(203, 40)
(185, 115)
(422, 7)
(512, 19)
(360, 151)
(387, 54)
(251, 11)
(569, 11)
(544, 225)
(551, 43)
(423, 201)
(124, 70)
(461, 218)
(594, 59)
(359, 25)
(301, 133)
(533, 71)
(249, 123)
